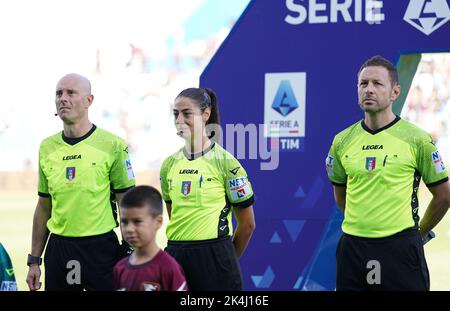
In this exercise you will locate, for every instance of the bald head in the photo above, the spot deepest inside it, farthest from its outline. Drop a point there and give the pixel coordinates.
(73, 98)
(83, 83)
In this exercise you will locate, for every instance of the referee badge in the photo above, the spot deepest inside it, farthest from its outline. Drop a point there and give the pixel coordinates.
(370, 163)
(329, 165)
(439, 166)
(186, 187)
(70, 173)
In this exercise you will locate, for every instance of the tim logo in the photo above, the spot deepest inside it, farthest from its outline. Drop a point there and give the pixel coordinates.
(427, 15)
(284, 101)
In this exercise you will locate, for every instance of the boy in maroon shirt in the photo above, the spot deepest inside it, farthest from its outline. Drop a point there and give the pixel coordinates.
(148, 268)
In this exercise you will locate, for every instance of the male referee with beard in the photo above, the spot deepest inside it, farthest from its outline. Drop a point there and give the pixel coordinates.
(375, 166)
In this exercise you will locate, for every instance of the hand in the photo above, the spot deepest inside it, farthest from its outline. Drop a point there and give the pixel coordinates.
(34, 274)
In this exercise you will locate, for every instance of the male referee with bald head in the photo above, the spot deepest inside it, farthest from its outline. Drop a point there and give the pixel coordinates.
(83, 172)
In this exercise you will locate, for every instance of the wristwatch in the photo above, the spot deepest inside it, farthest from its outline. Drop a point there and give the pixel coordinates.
(430, 235)
(34, 260)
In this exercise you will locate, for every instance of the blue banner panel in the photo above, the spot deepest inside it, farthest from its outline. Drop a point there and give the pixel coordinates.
(286, 79)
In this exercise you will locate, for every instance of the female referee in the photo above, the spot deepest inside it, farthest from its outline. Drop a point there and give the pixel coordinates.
(202, 184)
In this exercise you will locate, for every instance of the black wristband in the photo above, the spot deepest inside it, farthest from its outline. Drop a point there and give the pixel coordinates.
(34, 260)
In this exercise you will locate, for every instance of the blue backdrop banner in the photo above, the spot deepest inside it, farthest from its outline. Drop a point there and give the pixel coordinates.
(286, 79)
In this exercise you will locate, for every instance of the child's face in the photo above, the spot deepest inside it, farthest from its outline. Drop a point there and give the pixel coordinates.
(138, 226)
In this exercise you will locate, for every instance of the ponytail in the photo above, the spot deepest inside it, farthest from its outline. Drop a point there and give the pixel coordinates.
(213, 123)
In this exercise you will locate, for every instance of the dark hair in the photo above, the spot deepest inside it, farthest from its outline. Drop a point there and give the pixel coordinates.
(143, 196)
(378, 60)
(204, 98)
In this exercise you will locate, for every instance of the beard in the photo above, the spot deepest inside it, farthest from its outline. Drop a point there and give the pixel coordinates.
(374, 108)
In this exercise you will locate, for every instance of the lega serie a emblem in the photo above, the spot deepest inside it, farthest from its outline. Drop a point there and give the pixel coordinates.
(427, 15)
(70, 173)
(284, 101)
(186, 187)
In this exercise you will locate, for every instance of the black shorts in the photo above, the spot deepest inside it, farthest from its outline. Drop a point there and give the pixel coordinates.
(396, 262)
(209, 265)
(81, 263)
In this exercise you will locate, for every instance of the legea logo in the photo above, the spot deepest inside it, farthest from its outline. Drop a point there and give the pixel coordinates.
(427, 15)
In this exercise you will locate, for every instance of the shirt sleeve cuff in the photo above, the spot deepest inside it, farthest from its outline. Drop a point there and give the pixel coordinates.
(437, 182)
(338, 184)
(245, 203)
(122, 190)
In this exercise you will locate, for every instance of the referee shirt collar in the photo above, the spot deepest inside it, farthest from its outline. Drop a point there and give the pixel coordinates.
(193, 156)
(373, 132)
(75, 140)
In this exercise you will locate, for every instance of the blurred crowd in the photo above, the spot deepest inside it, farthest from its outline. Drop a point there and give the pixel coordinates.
(428, 102)
(136, 98)
(134, 87)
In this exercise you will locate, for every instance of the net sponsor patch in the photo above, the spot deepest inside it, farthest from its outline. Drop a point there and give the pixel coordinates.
(129, 168)
(239, 189)
(329, 165)
(439, 166)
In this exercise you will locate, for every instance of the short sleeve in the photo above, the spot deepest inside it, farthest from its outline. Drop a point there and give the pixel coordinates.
(335, 170)
(121, 174)
(238, 188)
(165, 183)
(42, 180)
(176, 279)
(430, 163)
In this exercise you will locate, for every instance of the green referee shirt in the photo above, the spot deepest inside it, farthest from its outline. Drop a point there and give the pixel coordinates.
(79, 175)
(382, 170)
(202, 190)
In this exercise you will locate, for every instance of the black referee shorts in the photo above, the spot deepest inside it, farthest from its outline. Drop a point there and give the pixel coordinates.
(394, 263)
(81, 263)
(209, 265)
